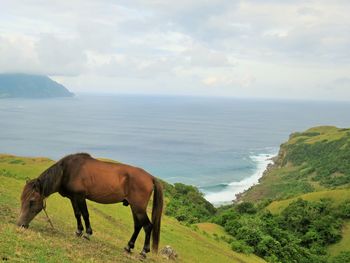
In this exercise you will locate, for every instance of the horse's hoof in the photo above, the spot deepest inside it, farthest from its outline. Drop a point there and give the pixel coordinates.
(78, 233)
(143, 255)
(87, 236)
(127, 249)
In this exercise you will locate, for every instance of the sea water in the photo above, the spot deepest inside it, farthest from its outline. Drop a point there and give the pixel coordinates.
(221, 145)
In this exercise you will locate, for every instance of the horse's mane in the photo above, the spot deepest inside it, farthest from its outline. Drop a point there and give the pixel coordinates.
(51, 178)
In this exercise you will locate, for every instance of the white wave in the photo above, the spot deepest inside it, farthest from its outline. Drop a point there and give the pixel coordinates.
(228, 194)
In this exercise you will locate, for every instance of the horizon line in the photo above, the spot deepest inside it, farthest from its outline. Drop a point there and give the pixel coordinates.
(141, 94)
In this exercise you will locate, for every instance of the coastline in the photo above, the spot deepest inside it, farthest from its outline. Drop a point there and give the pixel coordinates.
(235, 190)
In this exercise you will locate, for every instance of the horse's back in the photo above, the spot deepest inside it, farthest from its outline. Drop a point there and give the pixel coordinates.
(107, 182)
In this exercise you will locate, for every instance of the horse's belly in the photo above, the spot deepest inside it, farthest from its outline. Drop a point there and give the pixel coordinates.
(106, 198)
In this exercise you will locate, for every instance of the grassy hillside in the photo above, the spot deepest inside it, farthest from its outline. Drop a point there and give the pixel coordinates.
(337, 197)
(314, 160)
(314, 166)
(112, 225)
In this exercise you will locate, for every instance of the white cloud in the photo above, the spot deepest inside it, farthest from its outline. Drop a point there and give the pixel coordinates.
(17, 54)
(46, 55)
(60, 56)
(203, 57)
(241, 48)
(244, 81)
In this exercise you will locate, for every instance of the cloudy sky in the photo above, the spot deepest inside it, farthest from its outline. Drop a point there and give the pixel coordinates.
(253, 48)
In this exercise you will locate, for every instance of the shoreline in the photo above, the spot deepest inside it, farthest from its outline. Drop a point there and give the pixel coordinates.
(234, 190)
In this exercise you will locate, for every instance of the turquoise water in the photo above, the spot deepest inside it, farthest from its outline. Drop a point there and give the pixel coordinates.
(213, 143)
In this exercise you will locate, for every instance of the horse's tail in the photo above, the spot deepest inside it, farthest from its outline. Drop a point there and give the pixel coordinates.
(156, 213)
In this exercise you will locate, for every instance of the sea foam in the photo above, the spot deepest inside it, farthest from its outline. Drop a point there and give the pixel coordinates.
(228, 194)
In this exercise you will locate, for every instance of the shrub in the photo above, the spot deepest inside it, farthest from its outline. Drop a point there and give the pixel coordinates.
(246, 207)
(187, 204)
(240, 246)
(342, 257)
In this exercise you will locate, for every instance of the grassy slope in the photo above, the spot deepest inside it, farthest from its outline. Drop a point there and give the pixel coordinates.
(112, 225)
(337, 196)
(212, 229)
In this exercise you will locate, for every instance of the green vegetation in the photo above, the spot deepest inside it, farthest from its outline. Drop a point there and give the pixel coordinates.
(328, 159)
(30, 86)
(112, 225)
(186, 203)
(301, 232)
(300, 210)
(337, 197)
(344, 244)
(212, 229)
(314, 160)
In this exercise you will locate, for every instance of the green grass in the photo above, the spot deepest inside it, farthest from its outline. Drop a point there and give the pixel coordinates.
(319, 134)
(112, 225)
(343, 244)
(337, 196)
(212, 229)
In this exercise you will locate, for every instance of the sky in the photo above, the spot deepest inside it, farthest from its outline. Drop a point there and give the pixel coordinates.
(254, 48)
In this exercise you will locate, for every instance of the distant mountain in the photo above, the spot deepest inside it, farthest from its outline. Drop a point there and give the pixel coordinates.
(31, 86)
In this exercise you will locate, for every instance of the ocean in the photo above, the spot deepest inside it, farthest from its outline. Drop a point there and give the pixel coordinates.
(221, 145)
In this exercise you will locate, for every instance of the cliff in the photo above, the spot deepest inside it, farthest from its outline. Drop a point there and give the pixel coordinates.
(314, 160)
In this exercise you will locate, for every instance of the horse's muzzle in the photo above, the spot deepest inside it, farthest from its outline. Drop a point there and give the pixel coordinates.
(22, 224)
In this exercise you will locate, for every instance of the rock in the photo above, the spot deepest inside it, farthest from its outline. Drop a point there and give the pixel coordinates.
(168, 252)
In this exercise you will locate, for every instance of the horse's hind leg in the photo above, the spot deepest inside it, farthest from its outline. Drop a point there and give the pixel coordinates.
(137, 228)
(147, 227)
(77, 214)
(143, 221)
(84, 210)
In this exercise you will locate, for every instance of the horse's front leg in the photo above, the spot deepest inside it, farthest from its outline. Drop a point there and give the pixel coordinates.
(84, 211)
(77, 215)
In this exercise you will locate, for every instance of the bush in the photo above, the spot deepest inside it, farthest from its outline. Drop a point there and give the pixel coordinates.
(344, 210)
(300, 233)
(241, 247)
(343, 257)
(187, 204)
(246, 207)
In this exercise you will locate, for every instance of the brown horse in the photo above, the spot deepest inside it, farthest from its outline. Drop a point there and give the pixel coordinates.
(80, 177)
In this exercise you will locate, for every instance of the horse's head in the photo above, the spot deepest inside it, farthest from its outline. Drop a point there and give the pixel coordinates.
(32, 202)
